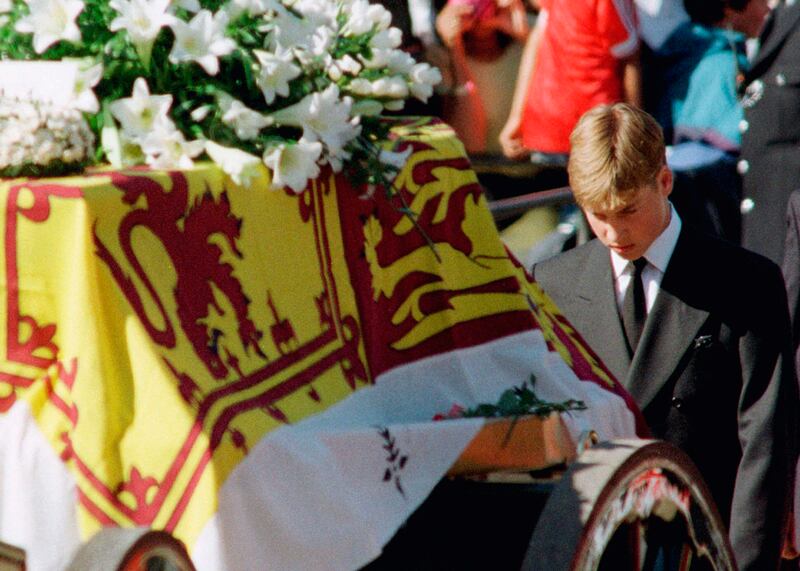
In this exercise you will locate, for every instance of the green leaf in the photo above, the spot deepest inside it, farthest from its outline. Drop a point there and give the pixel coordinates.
(508, 404)
(522, 400)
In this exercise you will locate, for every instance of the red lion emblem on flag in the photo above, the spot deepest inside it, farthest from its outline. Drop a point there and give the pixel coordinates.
(185, 231)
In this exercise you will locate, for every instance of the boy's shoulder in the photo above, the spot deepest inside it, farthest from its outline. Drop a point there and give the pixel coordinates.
(721, 256)
(740, 287)
(568, 266)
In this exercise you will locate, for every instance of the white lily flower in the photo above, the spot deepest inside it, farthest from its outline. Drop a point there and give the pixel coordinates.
(395, 159)
(380, 59)
(362, 17)
(336, 93)
(83, 97)
(289, 30)
(400, 62)
(51, 21)
(322, 42)
(167, 148)
(201, 40)
(323, 116)
(200, 113)
(236, 8)
(360, 86)
(119, 148)
(387, 39)
(398, 88)
(380, 87)
(121, 151)
(143, 20)
(349, 65)
(276, 71)
(334, 72)
(316, 52)
(242, 167)
(245, 121)
(319, 12)
(394, 87)
(142, 113)
(423, 78)
(130, 152)
(293, 165)
(110, 139)
(337, 161)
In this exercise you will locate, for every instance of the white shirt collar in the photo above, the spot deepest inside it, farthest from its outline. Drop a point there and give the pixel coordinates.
(659, 252)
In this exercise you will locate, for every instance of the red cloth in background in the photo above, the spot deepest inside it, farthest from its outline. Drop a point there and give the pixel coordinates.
(577, 67)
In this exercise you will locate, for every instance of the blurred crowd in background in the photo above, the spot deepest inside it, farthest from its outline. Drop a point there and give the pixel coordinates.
(718, 75)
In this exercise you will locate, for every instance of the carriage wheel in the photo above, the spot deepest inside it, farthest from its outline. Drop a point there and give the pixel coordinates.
(137, 549)
(631, 505)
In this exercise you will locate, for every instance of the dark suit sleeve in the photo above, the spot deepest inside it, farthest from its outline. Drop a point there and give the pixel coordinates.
(766, 423)
(791, 267)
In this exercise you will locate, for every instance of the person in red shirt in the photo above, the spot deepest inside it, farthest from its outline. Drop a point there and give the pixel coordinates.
(581, 53)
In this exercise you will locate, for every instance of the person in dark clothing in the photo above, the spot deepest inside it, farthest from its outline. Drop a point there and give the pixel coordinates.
(770, 161)
(694, 78)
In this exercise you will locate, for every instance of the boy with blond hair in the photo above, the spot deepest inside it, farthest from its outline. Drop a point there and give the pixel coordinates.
(697, 329)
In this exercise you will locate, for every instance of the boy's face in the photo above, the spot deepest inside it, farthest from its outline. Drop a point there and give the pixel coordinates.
(630, 230)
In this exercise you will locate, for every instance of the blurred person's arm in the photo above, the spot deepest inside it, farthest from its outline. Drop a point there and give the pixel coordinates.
(463, 108)
(512, 19)
(451, 23)
(511, 135)
(632, 80)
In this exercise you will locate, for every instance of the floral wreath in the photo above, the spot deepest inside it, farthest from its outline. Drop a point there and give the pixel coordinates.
(289, 85)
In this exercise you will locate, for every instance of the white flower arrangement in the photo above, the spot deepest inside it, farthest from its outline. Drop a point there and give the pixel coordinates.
(291, 85)
(37, 137)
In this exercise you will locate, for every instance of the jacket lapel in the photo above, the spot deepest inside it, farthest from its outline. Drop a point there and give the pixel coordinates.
(670, 330)
(783, 20)
(603, 328)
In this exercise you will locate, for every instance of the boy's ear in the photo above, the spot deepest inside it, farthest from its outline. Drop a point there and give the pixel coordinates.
(664, 181)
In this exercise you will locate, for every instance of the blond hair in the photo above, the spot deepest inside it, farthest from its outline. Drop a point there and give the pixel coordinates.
(616, 150)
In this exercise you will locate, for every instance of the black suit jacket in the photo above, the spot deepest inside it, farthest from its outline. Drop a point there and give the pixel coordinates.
(791, 271)
(769, 153)
(712, 373)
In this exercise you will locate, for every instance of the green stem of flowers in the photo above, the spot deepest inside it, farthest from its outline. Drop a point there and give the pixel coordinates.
(410, 215)
(406, 211)
(510, 431)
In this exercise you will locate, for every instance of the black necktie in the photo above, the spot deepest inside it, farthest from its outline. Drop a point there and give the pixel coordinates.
(634, 311)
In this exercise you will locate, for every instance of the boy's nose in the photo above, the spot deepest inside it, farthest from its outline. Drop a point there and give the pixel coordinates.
(612, 233)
